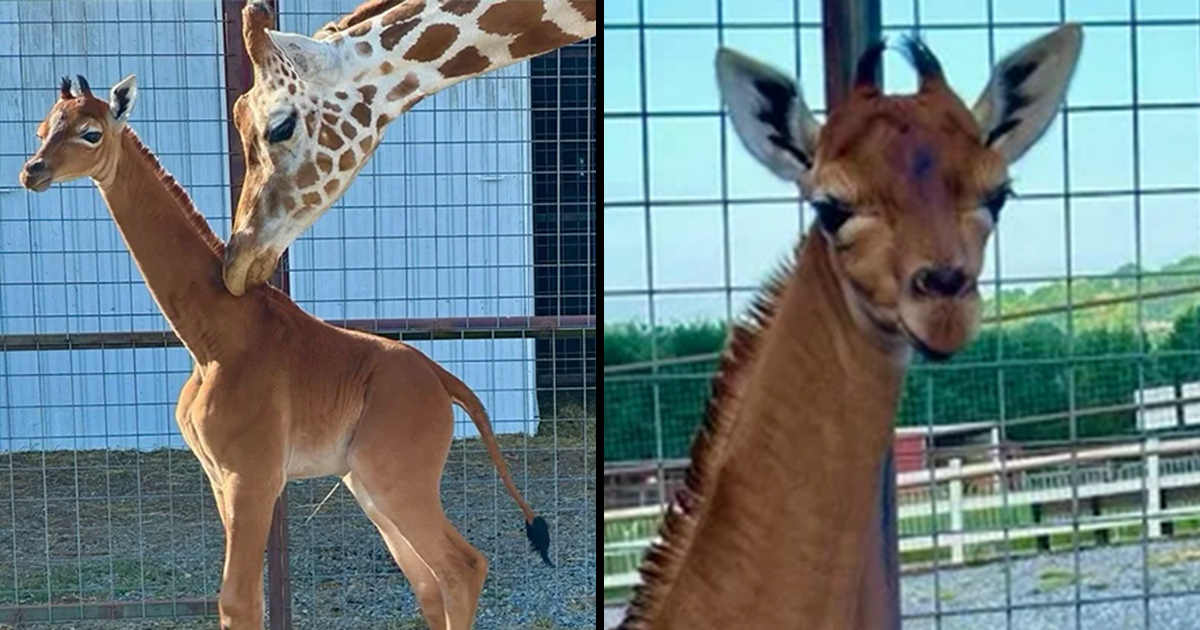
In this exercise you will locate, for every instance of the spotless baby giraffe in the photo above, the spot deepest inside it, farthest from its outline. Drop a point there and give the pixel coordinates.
(276, 394)
(778, 526)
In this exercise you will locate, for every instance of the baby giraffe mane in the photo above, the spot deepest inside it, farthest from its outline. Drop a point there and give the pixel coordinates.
(186, 205)
(665, 558)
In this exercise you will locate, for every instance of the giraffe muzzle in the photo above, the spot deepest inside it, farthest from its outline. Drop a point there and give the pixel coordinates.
(247, 265)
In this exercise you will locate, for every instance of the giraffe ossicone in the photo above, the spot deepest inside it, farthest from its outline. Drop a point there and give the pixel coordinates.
(320, 105)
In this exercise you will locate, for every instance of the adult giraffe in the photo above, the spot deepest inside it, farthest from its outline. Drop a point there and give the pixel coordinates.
(319, 106)
(276, 394)
(777, 527)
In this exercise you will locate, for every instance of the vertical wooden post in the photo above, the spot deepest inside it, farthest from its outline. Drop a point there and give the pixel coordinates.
(1154, 525)
(850, 26)
(239, 77)
(956, 512)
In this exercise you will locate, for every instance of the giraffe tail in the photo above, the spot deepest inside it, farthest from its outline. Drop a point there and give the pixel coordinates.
(537, 530)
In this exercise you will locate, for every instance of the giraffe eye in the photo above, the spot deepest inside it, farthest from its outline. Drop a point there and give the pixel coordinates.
(283, 130)
(832, 213)
(91, 137)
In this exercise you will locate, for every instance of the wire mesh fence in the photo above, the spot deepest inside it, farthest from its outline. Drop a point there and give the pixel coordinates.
(468, 235)
(1063, 440)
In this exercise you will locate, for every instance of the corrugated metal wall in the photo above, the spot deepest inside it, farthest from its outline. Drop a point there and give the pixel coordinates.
(437, 225)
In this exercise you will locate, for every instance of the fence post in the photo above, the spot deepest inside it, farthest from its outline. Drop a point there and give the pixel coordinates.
(239, 77)
(956, 512)
(850, 26)
(1153, 490)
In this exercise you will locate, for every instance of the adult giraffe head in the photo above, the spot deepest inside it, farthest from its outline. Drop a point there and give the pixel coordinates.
(319, 106)
(906, 188)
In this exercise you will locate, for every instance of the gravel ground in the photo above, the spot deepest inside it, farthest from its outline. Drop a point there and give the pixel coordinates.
(126, 526)
(1044, 591)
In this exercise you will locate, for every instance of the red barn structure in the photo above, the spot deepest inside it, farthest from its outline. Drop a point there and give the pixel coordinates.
(919, 448)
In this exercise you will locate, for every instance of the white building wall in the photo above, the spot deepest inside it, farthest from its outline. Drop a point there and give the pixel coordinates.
(438, 225)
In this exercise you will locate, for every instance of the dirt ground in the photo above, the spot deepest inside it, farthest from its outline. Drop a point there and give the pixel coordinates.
(98, 526)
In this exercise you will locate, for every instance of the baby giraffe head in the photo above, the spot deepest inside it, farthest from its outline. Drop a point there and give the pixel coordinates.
(906, 188)
(81, 136)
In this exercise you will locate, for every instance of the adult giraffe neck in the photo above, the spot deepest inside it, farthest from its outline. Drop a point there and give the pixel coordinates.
(417, 48)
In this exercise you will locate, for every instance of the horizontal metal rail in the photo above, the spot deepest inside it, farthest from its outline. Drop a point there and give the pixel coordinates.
(20, 615)
(506, 327)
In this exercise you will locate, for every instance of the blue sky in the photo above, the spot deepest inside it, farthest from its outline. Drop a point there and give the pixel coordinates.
(697, 250)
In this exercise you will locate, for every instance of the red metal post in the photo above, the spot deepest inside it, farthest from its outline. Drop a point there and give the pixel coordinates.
(239, 77)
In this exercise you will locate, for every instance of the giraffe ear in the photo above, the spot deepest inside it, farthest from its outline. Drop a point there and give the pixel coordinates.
(1026, 88)
(769, 114)
(314, 60)
(121, 98)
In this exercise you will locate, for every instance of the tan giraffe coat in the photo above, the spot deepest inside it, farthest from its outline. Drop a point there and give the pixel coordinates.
(276, 394)
(778, 526)
(319, 107)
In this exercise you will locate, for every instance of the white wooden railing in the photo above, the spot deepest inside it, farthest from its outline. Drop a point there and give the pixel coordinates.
(1130, 478)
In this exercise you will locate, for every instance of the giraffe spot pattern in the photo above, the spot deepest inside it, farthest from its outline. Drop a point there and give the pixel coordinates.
(333, 107)
(306, 176)
(512, 17)
(386, 67)
(348, 130)
(362, 114)
(403, 12)
(394, 33)
(341, 95)
(325, 163)
(367, 144)
(289, 203)
(358, 30)
(460, 7)
(404, 88)
(467, 61)
(311, 199)
(330, 118)
(363, 48)
(433, 43)
(586, 7)
(347, 161)
(368, 94)
(331, 186)
(330, 138)
(539, 39)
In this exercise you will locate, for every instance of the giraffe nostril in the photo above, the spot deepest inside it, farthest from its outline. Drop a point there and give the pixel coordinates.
(940, 281)
(35, 167)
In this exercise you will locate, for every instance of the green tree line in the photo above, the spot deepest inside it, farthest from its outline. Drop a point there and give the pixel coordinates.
(1015, 371)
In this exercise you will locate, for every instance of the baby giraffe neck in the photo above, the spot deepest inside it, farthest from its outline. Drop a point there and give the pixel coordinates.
(178, 255)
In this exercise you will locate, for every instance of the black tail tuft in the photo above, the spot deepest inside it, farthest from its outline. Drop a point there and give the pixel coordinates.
(539, 536)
